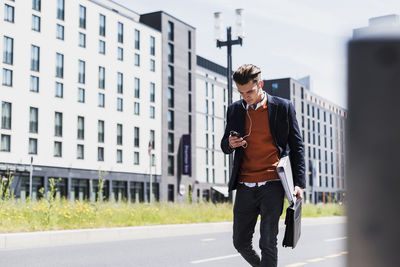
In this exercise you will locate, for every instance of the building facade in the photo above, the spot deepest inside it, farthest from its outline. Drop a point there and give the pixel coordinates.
(322, 126)
(178, 104)
(211, 105)
(81, 97)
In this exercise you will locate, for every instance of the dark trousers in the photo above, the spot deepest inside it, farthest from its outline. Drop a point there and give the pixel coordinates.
(266, 200)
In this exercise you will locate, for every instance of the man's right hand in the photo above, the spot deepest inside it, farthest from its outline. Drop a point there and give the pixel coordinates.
(235, 142)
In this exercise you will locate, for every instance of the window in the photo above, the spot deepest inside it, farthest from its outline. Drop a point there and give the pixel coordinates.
(34, 84)
(189, 60)
(119, 104)
(100, 153)
(6, 115)
(35, 23)
(57, 149)
(81, 128)
(190, 123)
(81, 95)
(59, 65)
(119, 134)
(7, 77)
(152, 112)
(170, 31)
(170, 142)
(206, 106)
(33, 120)
(101, 100)
(80, 152)
(136, 158)
(82, 71)
(82, 17)
(136, 108)
(207, 177)
(60, 32)
(152, 65)
(190, 102)
(170, 75)
(36, 5)
(170, 120)
(170, 53)
(206, 123)
(152, 46)
(102, 77)
(8, 50)
(206, 140)
(137, 60)
(60, 9)
(59, 90)
(8, 13)
(137, 39)
(152, 92)
(120, 32)
(170, 165)
(5, 143)
(212, 91)
(212, 108)
(189, 39)
(120, 85)
(102, 25)
(119, 156)
(137, 87)
(100, 131)
(102, 47)
(35, 55)
(58, 122)
(82, 39)
(190, 82)
(120, 54)
(170, 97)
(136, 137)
(152, 140)
(32, 149)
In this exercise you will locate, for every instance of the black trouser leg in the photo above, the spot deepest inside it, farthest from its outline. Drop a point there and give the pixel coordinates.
(245, 213)
(271, 206)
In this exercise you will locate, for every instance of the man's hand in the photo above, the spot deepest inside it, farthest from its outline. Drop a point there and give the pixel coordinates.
(298, 192)
(235, 142)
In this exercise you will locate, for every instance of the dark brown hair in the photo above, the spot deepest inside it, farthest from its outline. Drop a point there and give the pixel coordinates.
(247, 73)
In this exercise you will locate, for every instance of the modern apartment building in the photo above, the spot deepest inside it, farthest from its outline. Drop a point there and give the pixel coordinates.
(178, 67)
(211, 103)
(81, 97)
(322, 124)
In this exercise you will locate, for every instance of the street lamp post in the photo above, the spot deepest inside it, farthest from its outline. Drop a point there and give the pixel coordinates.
(229, 43)
(30, 179)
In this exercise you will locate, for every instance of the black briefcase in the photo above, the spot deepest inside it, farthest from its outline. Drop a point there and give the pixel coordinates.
(293, 224)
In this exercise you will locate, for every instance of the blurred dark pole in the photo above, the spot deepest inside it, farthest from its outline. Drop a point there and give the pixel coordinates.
(373, 152)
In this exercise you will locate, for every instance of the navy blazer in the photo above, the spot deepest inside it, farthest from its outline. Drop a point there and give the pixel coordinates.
(285, 132)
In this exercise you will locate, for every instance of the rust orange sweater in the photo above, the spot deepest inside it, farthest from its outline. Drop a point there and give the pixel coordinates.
(260, 157)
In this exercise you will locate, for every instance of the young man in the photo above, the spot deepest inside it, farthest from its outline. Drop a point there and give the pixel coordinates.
(260, 128)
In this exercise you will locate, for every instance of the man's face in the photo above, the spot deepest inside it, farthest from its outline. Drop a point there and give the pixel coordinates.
(251, 92)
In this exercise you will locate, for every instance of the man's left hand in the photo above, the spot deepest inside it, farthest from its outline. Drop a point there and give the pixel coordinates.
(298, 192)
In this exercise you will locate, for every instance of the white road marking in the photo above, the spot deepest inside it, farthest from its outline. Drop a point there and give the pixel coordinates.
(207, 239)
(215, 258)
(316, 260)
(335, 239)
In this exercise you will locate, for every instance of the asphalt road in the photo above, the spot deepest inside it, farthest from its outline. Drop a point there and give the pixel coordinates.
(323, 243)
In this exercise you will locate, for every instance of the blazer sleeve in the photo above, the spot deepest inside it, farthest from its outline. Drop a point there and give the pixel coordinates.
(296, 147)
(225, 139)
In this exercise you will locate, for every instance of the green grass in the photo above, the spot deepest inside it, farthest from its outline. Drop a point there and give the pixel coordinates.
(25, 216)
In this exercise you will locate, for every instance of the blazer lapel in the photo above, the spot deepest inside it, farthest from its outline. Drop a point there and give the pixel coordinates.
(242, 118)
(272, 113)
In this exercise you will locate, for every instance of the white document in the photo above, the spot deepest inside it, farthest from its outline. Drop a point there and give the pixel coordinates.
(285, 174)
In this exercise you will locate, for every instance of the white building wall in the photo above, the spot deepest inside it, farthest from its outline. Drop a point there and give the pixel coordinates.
(21, 98)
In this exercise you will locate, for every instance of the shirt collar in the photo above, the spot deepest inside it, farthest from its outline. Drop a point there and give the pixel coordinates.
(259, 104)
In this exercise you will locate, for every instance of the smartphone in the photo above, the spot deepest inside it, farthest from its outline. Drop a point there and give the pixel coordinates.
(234, 133)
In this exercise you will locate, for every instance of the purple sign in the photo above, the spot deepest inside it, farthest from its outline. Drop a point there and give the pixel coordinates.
(186, 155)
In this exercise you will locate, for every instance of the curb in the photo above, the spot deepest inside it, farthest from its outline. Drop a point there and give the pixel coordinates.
(81, 236)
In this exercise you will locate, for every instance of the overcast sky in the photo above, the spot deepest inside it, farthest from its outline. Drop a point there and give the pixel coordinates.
(285, 38)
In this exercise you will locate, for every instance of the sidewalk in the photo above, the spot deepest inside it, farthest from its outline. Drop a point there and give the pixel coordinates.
(69, 237)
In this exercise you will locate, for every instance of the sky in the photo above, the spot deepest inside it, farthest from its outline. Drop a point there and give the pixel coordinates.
(285, 38)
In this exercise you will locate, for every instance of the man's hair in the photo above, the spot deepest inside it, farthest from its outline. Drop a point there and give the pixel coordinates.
(247, 73)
